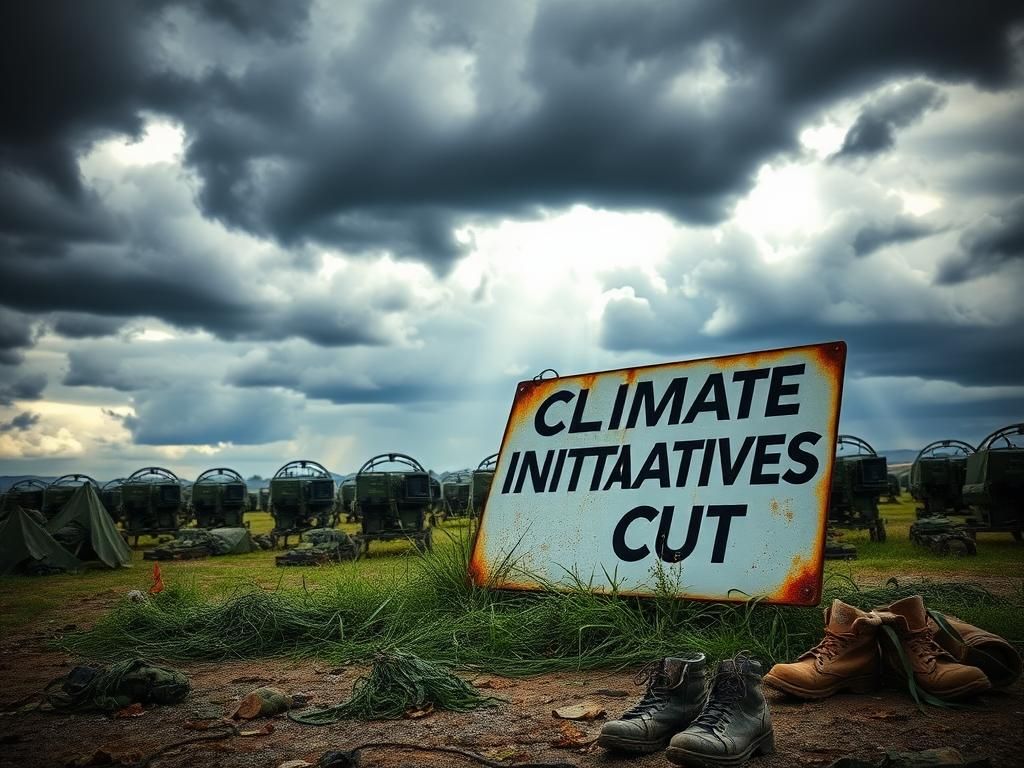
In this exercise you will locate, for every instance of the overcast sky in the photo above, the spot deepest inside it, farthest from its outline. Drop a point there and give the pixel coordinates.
(238, 233)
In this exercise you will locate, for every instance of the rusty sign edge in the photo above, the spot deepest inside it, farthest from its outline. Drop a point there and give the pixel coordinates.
(804, 583)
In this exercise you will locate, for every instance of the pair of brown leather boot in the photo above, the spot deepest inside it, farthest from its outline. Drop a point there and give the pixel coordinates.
(939, 656)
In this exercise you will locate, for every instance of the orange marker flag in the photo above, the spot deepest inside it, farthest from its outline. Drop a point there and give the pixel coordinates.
(158, 582)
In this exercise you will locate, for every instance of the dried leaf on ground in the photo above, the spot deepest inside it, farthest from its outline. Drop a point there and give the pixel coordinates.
(295, 764)
(580, 712)
(509, 754)
(132, 710)
(263, 702)
(266, 730)
(414, 713)
(571, 737)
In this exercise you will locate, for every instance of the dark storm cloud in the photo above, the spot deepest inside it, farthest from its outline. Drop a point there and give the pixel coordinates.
(27, 386)
(282, 21)
(872, 237)
(23, 421)
(76, 325)
(16, 333)
(987, 245)
(874, 130)
(209, 414)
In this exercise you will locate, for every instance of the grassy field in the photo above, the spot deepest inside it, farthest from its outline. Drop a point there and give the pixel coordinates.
(244, 606)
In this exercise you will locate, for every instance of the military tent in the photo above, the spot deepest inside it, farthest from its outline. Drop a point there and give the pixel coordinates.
(85, 528)
(26, 545)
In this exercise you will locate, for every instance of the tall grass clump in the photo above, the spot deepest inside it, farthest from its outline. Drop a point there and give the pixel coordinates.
(436, 613)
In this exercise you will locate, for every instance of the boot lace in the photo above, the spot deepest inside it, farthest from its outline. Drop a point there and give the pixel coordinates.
(727, 688)
(653, 676)
(921, 644)
(830, 645)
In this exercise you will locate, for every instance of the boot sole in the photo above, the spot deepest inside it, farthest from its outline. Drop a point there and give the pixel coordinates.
(621, 744)
(968, 689)
(763, 746)
(852, 685)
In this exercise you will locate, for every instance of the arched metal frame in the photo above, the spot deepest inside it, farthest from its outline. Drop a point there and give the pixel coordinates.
(311, 469)
(958, 445)
(463, 476)
(1004, 434)
(68, 480)
(152, 475)
(111, 485)
(860, 443)
(219, 476)
(391, 458)
(491, 462)
(29, 483)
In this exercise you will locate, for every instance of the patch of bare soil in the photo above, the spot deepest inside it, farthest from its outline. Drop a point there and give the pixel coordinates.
(521, 730)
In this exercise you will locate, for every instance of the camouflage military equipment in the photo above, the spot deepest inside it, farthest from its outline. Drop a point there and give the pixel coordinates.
(264, 495)
(252, 501)
(27, 547)
(994, 483)
(320, 546)
(943, 537)
(937, 478)
(483, 476)
(301, 498)
(219, 498)
(110, 495)
(60, 491)
(124, 683)
(394, 504)
(194, 543)
(675, 696)
(84, 529)
(347, 499)
(857, 482)
(735, 723)
(151, 502)
(456, 489)
(892, 494)
(27, 494)
(845, 660)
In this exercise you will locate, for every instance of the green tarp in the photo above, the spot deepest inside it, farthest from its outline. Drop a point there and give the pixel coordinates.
(26, 544)
(235, 541)
(87, 530)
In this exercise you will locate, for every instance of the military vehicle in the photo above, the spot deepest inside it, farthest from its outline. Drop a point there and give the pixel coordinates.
(943, 536)
(110, 495)
(347, 499)
(937, 478)
(27, 494)
(264, 504)
(456, 493)
(219, 499)
(301, 498)
(892, 493)
(320, 546)
(395, 504)
(994, 483)
(252, 501)
(857, 482)
(60, 491)
(483, 476)
(151, 502)
(195, 543)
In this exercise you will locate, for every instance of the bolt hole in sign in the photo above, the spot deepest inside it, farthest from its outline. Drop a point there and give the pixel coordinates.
(710, 475)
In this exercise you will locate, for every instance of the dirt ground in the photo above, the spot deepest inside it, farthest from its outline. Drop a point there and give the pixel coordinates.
(521, 730)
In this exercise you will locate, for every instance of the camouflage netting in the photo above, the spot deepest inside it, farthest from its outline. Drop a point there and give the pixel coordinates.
(118, 686)
(193, 543)
(319, 546)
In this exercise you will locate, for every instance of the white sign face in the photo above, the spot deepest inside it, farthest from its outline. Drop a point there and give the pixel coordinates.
(712, 475)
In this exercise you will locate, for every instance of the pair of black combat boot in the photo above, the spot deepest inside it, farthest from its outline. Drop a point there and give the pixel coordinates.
(723, 722)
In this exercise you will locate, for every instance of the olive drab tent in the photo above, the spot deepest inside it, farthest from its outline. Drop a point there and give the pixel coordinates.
(234, 541)
(86, 529)
(26, 545)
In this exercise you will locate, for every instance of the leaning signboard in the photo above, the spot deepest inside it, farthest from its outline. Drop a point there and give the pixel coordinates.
(711, 475)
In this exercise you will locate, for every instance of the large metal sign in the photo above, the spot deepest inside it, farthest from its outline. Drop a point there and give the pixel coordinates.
(712, 475)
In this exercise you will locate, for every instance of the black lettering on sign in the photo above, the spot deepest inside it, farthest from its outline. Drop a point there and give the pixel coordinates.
(687, 447)
(540, 424)
(623, 551)
(667, 553)
(538, 476)
(749, 380)
(763, 458)
(711, 399)
(644, 398)
(621, 472)
(725, 513)
(655, 467)
(507, 485)
(809, 460)
(620, 403)
(578, 424)
(777, 390)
